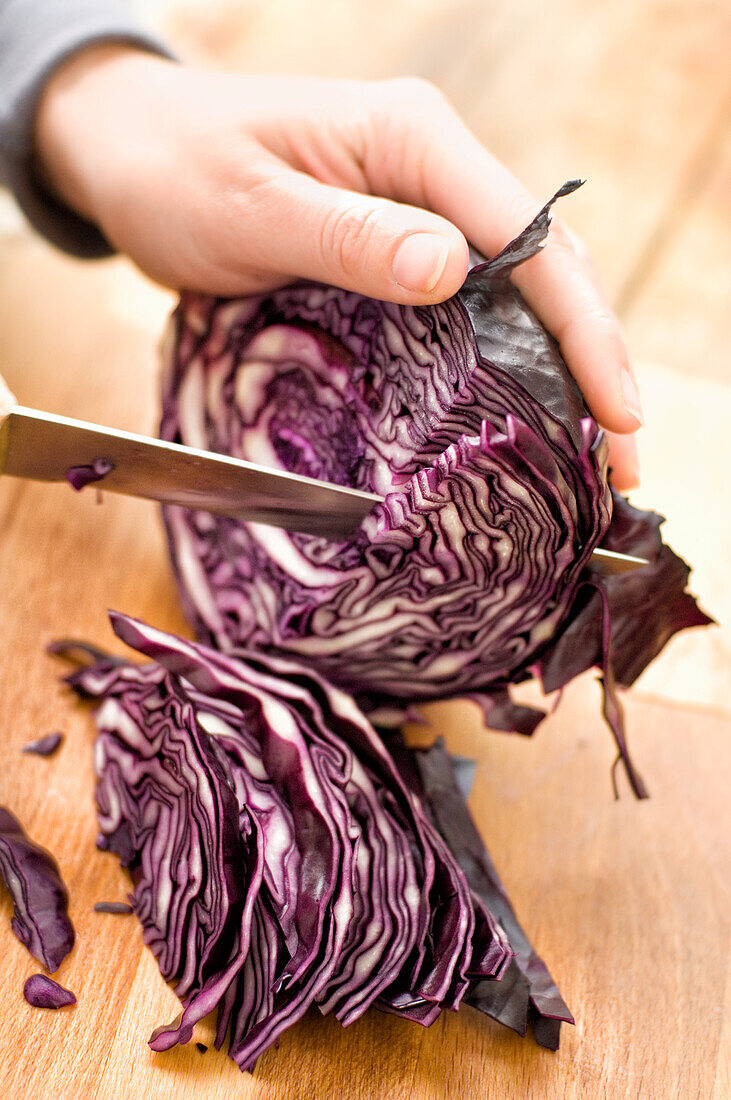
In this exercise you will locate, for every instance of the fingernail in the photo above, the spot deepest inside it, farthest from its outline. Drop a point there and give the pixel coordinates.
(420, 261)
(631, 397)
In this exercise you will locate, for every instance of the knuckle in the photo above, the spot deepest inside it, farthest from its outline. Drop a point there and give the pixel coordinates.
(594, 317)
(416, 92)
(576, 242)
(412, 119)
(560, 238)
(241, 202)
(521, 209)
(260, 191)
(236, 167)
(347, 236)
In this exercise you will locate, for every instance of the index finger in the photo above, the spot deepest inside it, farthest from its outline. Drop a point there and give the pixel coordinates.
(442, 166)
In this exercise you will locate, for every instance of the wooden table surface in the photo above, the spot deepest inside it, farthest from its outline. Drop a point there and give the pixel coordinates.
(628, 902)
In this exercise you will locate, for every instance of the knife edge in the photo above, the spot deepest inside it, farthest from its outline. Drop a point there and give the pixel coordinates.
(44, 446)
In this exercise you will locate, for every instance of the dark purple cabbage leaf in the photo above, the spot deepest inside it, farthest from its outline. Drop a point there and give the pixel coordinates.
(526, 994)
(472, 575)
(643, 617)
(40, 898)
(278, 859)
(43, 992)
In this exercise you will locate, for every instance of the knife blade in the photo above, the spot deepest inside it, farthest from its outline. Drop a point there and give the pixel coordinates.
(43, 447)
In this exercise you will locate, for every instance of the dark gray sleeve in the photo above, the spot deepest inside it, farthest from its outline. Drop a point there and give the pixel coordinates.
(35, 37)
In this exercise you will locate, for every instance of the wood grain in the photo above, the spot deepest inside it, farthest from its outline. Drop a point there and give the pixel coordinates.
(628, 902)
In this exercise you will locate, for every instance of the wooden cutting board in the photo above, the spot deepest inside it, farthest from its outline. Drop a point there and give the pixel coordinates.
(627, 902)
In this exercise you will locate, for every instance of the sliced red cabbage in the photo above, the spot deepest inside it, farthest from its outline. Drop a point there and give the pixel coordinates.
(470, 577)
(79, 477)
(43, 992)
(44, 746)
(527, 994)
(278, 859)
(31, 875)
(121, 908)
(166, 807)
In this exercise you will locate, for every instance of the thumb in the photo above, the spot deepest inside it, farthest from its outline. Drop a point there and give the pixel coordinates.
(376, 247)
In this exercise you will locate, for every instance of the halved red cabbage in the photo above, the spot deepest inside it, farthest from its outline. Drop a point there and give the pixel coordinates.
(40, 898)
(471, 576)
(278, 859)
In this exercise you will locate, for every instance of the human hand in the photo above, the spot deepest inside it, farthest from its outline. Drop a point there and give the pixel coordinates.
(233, 184)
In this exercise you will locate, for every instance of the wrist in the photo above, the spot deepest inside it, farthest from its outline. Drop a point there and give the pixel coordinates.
(78, 110)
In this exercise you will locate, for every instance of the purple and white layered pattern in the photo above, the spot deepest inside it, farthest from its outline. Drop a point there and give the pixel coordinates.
(278, 859)
(40, 899)
(462, 414)
(474, 573)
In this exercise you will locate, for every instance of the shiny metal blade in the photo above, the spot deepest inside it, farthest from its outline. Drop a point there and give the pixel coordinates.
(43, 447)
(610, 561)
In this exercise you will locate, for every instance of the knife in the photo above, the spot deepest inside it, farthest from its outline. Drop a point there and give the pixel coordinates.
(44, 447)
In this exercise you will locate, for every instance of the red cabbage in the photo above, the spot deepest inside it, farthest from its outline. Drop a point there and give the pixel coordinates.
(472, 575)
(43, 992)
(44, 746)
(526, 993)
(278, 860)
(40, 919)
(645, 607)
(281, 857)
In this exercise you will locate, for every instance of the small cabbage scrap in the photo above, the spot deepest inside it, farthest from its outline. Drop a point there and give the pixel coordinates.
(40, 920)
(44, 746)
(79, 477)
(472, 575)
(278, 860)
(43, 992)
